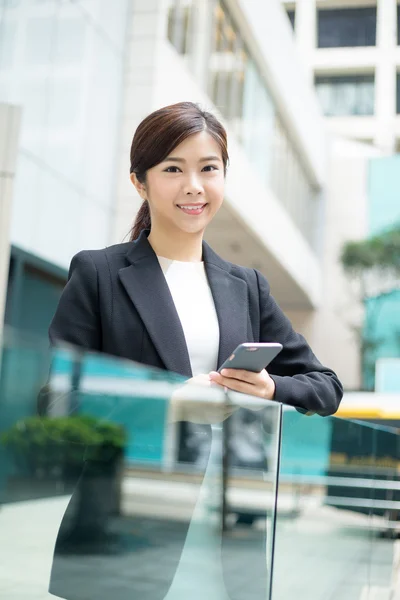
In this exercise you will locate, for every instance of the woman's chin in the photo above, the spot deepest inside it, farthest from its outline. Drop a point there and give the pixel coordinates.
(195, 227)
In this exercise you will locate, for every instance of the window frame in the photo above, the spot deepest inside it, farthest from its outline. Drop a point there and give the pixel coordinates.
(352, 12)
(347, 79)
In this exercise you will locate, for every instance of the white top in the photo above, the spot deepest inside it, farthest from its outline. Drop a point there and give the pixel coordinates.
(199, 574)
(194, 303)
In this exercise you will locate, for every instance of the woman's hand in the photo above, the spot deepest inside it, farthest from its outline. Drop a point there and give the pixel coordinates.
(247, 382)
(190, 403)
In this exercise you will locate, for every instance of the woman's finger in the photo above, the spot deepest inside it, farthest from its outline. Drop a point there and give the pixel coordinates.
(241, 375)
(237, 385)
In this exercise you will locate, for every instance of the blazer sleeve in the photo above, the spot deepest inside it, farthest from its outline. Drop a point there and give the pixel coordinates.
(77, 318)
(300, 379)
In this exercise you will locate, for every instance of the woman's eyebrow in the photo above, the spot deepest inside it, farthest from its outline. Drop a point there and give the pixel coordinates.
(182, 160)
(174, 159)
(206, 158)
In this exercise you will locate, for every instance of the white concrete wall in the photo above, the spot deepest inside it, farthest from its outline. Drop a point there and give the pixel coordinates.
(156, 76)
(9, 132)
(329, 329)
(383, 128)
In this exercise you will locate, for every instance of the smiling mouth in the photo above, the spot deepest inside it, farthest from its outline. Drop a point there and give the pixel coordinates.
(192, 209)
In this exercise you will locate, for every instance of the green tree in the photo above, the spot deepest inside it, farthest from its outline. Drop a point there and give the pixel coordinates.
(373, 267)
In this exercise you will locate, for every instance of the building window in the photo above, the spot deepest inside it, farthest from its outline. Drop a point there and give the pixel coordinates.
(346, 95)
(347, 27)
(398, 24)
(292, 17)
(239, 92)
(228, 59)
(238, 89)
(180, 25)
(398, 94)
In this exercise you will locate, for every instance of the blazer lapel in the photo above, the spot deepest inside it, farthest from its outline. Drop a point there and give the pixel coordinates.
(231, 303)
(144, 281)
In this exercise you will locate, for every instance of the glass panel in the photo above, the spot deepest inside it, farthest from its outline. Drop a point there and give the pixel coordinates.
(9, 3)
(346, 95)
(339, 484)
(7, 45)
(107, 492)
(38, 41)
(70, 42)
(58, 62)
(347, 27)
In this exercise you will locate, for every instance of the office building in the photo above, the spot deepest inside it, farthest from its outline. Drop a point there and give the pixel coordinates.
(350, 49)
(85, 74)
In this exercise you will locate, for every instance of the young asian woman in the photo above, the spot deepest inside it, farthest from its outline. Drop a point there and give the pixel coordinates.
(167, 300)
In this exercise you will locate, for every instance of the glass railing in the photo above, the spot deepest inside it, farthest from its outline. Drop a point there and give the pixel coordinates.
(338, 510)
(114, 481)
(119, 481)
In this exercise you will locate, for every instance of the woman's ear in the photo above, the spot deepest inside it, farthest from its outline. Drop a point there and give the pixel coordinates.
(140, 187)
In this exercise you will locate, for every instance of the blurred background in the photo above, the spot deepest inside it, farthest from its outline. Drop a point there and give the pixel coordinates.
(309, 92)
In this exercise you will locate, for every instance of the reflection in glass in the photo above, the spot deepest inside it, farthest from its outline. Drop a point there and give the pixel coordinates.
(103, 483)
(338, 481)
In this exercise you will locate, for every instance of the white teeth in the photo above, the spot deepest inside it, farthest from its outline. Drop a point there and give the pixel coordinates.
(192, 207)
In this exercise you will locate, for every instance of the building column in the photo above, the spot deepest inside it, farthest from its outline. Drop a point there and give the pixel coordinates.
(385, 76)
(202, 21)
(9, 130)
(306, 34)
(147, 27)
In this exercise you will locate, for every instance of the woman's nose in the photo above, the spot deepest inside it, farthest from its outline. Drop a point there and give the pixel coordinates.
(193, 186)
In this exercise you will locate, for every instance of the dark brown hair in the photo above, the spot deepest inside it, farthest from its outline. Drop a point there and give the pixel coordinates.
(161, 132)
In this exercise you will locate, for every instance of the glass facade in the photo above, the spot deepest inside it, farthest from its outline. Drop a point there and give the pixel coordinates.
(238, 90)
(347, 27)
(62, 62)
(346, 94)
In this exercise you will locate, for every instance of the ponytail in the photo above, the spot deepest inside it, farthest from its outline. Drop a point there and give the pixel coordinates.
(142, 221)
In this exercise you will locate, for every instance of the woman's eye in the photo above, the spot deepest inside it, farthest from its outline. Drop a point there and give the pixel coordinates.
(210, 168)
(172, 170)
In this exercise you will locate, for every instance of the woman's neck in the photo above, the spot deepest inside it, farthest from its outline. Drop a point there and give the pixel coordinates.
(185, 247)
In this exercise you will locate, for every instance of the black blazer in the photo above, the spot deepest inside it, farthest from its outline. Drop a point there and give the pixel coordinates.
(118, 302)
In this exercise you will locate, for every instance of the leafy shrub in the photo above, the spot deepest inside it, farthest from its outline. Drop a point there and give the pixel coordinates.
(47, 443)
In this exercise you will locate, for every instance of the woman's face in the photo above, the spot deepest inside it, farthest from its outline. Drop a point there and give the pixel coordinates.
(187, 189)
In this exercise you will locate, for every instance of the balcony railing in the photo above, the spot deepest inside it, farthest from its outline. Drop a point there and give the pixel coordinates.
(119, 481)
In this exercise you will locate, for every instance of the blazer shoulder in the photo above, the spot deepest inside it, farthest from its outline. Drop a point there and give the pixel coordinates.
(252, 276)
(101, 257)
